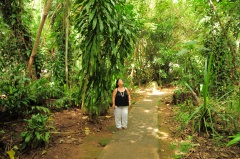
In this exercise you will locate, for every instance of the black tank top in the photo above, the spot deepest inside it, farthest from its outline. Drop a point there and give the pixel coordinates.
(122, 98)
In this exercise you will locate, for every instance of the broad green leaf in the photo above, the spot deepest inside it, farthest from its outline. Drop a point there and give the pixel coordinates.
(38, 135)
(108, 7)
(113, 3)
(88, 5)
(94, 23)
(28, 138)
(10, 89)
(92, 14)
(47, 136)
(23, 134)
(236, 139)
(100, 23)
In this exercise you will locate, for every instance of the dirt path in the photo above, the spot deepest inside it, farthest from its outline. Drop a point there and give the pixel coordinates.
(147, 136)
(152, 133)
(144, 138)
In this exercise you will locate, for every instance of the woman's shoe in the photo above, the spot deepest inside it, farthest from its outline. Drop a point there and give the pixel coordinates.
(124, 127)
(119, 128)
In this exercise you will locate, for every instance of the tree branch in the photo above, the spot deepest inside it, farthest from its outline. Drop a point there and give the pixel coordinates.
(36, 43)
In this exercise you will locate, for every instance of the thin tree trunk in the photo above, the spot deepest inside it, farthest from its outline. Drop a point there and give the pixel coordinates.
(36, 43)
(67, 39)
(132, 73)
(83, 99)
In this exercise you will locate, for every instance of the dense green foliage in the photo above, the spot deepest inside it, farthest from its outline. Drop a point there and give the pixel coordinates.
(87, 44)
(106, 43)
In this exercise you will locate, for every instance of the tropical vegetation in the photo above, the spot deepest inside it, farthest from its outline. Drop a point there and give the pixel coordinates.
(63, 54)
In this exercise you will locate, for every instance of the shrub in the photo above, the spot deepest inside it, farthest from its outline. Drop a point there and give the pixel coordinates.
(18, 94)
(37, 131)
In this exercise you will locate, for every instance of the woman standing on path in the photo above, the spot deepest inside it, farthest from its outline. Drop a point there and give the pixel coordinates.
(121, 100)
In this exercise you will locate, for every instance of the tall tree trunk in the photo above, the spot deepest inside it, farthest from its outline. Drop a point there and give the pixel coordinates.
(67, 39)
(36, 43)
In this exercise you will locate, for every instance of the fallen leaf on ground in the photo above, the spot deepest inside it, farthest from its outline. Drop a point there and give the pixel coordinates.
(11, 154)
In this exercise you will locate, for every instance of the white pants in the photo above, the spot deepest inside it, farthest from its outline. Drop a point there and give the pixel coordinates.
(121, 116)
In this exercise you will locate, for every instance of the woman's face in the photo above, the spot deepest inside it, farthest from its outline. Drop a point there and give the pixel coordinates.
(120, 82)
